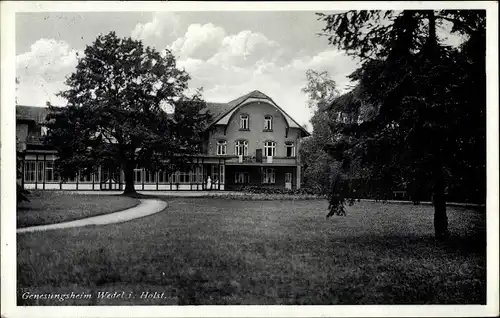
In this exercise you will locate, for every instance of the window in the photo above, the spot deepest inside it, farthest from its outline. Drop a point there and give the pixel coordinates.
(270, 148)
(199, 174)
(163, 177)
(149, 177)
(288, 177)
(268, 122)
(241, 177)
(175, 177)
(40, 171)
(85, 177)
(269, 176)
(138, 175)
(43, 131)
(290, 149)
(29, 171)
(184, 176)
(221, 147)
(244, 122)
(241, 148)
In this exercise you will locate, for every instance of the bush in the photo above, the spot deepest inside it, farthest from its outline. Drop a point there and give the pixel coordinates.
(273, 190)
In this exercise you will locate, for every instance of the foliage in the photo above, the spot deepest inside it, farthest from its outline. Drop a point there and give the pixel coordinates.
(319, 88)
(116, 113)
(413, 83)
(273, 190)
(316, 173)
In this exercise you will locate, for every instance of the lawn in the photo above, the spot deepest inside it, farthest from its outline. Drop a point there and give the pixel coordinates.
(215, 251)
(46, 207)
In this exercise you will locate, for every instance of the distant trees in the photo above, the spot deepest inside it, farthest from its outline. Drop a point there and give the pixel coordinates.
(415, 86)
(115, 115)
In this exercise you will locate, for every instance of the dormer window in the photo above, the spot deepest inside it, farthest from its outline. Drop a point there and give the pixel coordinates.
(270, 149)
(268, 123)
(290, 149)
(244, 119)
(241, 148)
(221, 147)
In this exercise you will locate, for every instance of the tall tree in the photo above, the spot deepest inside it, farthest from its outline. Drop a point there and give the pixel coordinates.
(320, 88)
(115, 114)
(410, 78)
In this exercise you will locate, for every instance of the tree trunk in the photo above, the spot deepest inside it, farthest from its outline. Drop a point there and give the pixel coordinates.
(129, 180)
(439, 200)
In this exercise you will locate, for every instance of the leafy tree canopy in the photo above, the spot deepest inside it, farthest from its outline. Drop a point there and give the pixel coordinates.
(412, 83)
(115, 114)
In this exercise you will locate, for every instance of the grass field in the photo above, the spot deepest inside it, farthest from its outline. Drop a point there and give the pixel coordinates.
(214, 251)
(46, 207)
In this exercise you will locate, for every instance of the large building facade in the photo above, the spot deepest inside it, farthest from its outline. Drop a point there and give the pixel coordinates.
(250, 141)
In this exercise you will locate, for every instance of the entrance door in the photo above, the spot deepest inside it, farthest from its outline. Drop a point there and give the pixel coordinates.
(288, 180)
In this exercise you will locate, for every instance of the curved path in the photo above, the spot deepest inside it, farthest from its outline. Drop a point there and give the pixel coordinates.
(145, 208)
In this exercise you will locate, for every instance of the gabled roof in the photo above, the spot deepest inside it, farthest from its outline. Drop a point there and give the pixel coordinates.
(31, 113)
(219, 110)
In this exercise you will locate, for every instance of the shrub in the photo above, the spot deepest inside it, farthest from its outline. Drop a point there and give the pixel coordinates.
(274, 190)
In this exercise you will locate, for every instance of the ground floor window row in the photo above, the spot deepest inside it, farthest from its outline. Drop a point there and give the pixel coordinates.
(268, 177)
(44, 171)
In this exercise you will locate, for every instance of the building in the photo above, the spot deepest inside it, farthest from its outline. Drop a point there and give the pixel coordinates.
(250, 141)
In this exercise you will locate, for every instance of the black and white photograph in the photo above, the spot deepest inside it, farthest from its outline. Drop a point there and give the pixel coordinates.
(249, 159)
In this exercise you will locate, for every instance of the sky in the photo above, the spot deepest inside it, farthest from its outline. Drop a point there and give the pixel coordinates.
(228, 54)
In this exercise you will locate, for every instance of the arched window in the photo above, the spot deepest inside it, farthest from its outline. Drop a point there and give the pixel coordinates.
(270, 148)
(241, 148)
(268, 122)
(221, 147)
(290, 149)
(244, 119)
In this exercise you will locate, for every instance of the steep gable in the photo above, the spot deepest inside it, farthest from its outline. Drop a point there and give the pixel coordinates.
(221, 110)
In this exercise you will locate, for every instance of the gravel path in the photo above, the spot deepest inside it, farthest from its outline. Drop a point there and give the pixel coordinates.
(145, 208)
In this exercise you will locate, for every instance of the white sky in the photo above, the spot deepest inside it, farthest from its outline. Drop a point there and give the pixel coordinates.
(227, 53)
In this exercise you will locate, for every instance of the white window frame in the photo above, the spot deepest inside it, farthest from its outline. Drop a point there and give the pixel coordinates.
(84, 178)
(186, 175)
(40, 172)
(175, 177)
(30, 171)
(269, 176)
(268, 123)
(289, 144)
(163, 177)
(221, 147)
(138, 173)
(149, 176)
(244, 121)
(241, 146)
(270, 146)
(199, 174)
